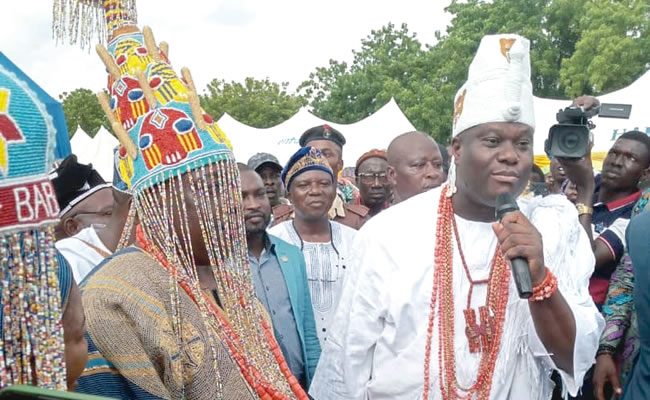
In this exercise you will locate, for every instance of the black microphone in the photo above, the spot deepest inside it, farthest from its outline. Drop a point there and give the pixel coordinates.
(521, 273)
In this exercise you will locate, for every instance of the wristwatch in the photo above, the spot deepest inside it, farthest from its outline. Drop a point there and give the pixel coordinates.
(584, 209)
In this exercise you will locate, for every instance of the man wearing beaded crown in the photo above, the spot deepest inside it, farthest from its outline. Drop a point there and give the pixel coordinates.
(174, 316)
(431, 312)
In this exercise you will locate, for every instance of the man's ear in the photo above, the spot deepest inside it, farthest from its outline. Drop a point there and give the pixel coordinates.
(392, 176)
(70, 226)
(644, 180)
(456, 148)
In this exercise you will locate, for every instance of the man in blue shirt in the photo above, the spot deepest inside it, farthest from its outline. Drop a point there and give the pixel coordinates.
(280, 280)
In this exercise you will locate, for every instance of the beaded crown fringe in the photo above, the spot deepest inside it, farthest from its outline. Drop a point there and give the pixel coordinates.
(31, 330)
(82, 21)
(214, 200)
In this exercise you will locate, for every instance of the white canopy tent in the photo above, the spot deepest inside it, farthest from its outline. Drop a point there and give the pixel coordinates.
(97, 151)
(80, 140)
(374, 131)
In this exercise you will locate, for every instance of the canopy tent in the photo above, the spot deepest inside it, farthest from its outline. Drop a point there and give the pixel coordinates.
(607, 129)
(97, 151)
(374, 131)
(80, 142)
(53, 107)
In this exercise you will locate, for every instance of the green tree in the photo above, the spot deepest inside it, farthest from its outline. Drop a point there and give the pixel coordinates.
(81, 108)
(613, 49)
(577, 47)
(258, 103)
(390, 63)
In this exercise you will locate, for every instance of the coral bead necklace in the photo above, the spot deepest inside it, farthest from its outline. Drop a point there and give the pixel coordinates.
(484, 338)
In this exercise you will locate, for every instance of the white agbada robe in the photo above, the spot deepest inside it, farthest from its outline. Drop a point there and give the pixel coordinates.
(377, 342)
(81, 252)
(327, 268)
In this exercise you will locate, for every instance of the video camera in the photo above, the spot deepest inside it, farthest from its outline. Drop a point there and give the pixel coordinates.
(570, 138)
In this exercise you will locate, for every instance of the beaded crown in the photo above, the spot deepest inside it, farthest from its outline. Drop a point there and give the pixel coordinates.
(155, 113)
(31, 333)
(27, 139)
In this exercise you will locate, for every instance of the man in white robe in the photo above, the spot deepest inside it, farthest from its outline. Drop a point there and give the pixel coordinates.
(326, 245)
(376, 346)
(91, 245)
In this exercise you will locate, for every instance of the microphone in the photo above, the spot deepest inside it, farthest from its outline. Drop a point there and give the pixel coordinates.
(520, 272)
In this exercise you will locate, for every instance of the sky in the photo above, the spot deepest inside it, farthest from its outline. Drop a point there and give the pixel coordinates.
(284, 40)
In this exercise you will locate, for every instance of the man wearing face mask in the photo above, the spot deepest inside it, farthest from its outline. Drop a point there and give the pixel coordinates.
(84, 197)
(91, 245)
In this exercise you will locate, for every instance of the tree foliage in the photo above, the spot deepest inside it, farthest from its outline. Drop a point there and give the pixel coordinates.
(258, 103)
(81, 108)
(577, 47)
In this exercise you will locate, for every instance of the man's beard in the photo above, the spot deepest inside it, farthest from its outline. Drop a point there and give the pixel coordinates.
(254, 229)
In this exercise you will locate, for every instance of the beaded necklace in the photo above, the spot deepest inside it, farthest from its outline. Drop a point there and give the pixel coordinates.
(442, 301)
(478, 336)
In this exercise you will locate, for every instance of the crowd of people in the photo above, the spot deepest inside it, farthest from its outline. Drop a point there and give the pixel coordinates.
(195, 275)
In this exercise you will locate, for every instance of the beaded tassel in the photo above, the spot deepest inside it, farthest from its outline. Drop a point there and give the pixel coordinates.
(79, 21)
(32, 333)
(215, 192)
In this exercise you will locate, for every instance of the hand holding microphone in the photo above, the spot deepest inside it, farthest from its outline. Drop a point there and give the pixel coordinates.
(521, 243)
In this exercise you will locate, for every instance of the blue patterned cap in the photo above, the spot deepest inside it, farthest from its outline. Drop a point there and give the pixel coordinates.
(305, 159)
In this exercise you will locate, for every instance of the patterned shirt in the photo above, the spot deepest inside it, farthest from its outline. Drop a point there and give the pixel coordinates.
(348, 192)
(326, 268)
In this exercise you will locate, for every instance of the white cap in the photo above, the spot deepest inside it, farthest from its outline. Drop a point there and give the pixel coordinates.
(498, 87)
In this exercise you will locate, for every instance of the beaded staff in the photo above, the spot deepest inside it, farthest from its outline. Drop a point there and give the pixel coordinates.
(183, 169)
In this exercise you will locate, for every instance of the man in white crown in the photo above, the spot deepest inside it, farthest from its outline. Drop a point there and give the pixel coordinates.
(431, 310)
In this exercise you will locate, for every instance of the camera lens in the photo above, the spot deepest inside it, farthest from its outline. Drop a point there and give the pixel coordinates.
(569, 141)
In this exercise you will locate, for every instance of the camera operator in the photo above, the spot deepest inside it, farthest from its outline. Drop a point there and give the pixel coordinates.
(605, 202)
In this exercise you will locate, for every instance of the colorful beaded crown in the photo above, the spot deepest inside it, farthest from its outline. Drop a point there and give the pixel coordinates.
(155, 114)
(27, 137)
(31, 333)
